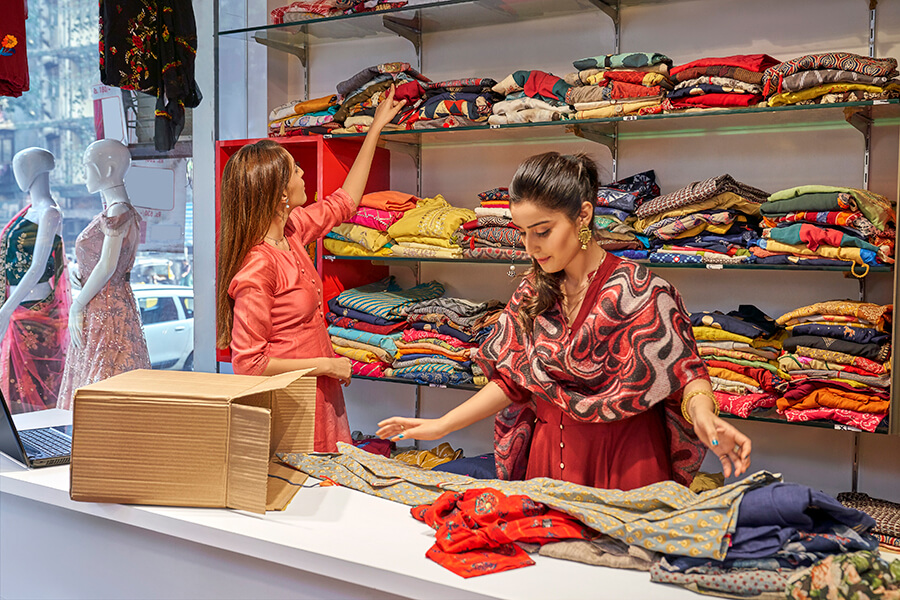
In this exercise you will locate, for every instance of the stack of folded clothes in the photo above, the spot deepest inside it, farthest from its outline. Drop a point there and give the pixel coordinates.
(492, 236)
(365, 233)
(455, 103)
(317, 9)
(530, 97)
(838, 356)
(614, 214)
(304, 116)
(782, 533)
(740, 350)
(829, 77)
(363, 92)
(428, 230)
(826, 225)
(370, 317)
(721, 82)
(618, 84)
(711, 221)
(885, 513)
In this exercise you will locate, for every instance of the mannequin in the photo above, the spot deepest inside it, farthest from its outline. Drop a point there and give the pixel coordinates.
(34, 295)
(104, 324)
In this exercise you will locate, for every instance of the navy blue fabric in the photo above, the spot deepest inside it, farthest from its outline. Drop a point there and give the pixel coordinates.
(860, 335)
(747, 320)
(479, 467)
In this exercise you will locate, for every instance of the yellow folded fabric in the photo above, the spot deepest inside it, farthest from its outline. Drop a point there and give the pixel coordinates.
(382, 354)
(432, 217)
(355, 353)
(848, 254)
(707, 481)
(785, 98)
(731, 376)
(370, 239)
(617, 109)
(719, 201)
(429, 459)
(426, 252)
(702, 332)
(342, 248)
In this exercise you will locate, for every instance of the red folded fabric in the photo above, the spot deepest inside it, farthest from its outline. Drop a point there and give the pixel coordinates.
(718, 101)
(476, 530)
(752, 62)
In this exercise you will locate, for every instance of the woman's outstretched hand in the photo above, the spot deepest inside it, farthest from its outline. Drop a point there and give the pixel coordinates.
(725, 440)
(403, 428)
(386, 111)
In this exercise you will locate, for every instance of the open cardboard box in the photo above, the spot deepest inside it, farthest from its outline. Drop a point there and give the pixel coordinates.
(190, 439)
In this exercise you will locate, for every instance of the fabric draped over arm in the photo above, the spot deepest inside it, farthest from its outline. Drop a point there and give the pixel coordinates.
(634, 350)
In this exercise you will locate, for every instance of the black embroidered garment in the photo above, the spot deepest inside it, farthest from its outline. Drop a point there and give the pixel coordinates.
(150, 46)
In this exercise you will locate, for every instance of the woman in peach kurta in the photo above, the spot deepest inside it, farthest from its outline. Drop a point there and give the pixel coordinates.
(269, 295)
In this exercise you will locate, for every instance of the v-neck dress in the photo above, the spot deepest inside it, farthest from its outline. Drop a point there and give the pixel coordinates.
(623, 454)
(278, 310)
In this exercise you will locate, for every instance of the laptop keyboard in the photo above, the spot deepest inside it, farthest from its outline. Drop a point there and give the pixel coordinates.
(49, 443)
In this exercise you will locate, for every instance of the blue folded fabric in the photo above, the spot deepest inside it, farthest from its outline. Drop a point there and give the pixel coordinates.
(479, 467)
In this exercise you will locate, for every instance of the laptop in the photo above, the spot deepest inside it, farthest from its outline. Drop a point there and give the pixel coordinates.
(42, 447)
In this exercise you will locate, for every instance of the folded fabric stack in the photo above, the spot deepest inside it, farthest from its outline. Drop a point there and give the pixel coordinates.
(618, 84)
(838, 356)
(829, 77)
(455, 103)
(530, 97)
(316, 9)
(711, 221)
(363, 92)
(885, 513)
(429, 459)
(720, 82)
(428, 230)
(491, 234)
(365, 233)
(303, 116)
(740, 350)
(614, 214)
(782, 532)
(826, 225)
(366, 322)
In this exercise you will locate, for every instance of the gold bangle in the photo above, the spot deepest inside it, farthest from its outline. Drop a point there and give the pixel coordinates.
(687, 398)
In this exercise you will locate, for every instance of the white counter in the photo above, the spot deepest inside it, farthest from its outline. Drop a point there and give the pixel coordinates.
(331, 542)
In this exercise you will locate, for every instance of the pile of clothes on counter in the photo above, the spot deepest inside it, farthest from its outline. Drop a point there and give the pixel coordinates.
(754, 538)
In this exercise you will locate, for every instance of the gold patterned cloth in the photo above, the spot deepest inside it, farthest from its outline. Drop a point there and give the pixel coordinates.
(431, 218)
(663, 517)
(875, 314)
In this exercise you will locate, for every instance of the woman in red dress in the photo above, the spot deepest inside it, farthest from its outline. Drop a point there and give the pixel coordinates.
(593, 367)
(269, 295)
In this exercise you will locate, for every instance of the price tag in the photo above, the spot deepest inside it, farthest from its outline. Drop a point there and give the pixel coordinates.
(493, 126)
(630, 118)
(437, 385)
(329, 257)
(842, 427)
(714, 266)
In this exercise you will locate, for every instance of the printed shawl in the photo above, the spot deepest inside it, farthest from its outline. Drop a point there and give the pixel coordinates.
(634, 350)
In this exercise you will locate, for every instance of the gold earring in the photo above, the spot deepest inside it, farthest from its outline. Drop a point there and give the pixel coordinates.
(584, 236)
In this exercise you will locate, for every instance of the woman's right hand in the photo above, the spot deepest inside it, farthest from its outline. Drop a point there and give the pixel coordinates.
(403, 428)
(338, 368)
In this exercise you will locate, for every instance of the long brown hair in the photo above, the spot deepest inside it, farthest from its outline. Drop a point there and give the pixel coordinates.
(253, 182)
(554, 182)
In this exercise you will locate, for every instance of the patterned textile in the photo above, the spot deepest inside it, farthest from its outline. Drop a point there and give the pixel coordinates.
(699, 191)
(359, 354)
(811, 94)
(875, 207)
(346, 87)
(432, 217)
(476, 530)
(344, 248)
(756, 63)
(526, 110)
(885, 513)
(671, 258)
(375, 218)
(649, 516)
(462, 311)
(735, 85)
(815, 235)
(425, 251)
(616, 108)
(385, 342)
(385, 298)
(501, 237)
(602, 551)
(370, 239)
(476, 107)
(14, 77)
(858, 575)
(614, 90)
(496, 254)
(448, 122)
(372, 369)
(301, 107)
(713, 580)
(829, 393)
(808, 79)
(743, 405)
(877, 352)
(635, 77)
(874, 314)
(643, 185)
(717, 100)
(738, 73)
(351, 323)
(497, 193)
(853, 220)
(415, 335)
(706, 87)
(535, 84)
(151, 47)
(863, 421)
(487, 222)
(622, 61)
(860, 335)
(282, 126)
(773, 77)
(596, 377)
(840, 357)
(693, 224)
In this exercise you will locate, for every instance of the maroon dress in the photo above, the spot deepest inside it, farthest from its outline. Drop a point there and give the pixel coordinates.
(599, 402)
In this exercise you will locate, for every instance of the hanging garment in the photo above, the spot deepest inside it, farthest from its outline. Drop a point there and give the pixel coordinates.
(113, 342)
(13, 59)
(150, 46)
(33, 352)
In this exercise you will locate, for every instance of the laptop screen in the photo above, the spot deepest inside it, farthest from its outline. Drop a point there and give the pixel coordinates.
(9, 437)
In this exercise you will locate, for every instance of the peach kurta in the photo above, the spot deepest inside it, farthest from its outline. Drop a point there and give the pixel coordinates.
(278, 310)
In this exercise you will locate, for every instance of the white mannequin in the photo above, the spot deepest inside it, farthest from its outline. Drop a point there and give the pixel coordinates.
(31, 168)
(105, 165)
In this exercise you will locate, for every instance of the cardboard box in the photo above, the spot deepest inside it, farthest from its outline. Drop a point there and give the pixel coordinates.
(189, 439)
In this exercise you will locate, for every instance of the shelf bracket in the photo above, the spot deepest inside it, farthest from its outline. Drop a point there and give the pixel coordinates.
(297, 50)
(408, 29)
(860, 118)
(589, 133)
(608, 7)
(410, 150)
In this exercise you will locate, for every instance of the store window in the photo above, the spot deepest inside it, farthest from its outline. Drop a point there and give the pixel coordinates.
(64, 110)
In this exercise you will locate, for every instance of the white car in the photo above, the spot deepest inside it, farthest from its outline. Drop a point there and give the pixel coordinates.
(167, 318)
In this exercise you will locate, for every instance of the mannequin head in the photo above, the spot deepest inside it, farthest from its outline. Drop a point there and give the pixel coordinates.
(105, 165)
(29, 163)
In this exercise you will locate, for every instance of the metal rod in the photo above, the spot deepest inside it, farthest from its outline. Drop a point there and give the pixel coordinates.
(854, 482)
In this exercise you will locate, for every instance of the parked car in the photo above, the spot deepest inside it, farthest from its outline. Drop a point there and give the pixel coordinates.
(167, 318)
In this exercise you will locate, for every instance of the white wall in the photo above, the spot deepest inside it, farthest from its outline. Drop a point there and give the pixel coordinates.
(777, 157)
